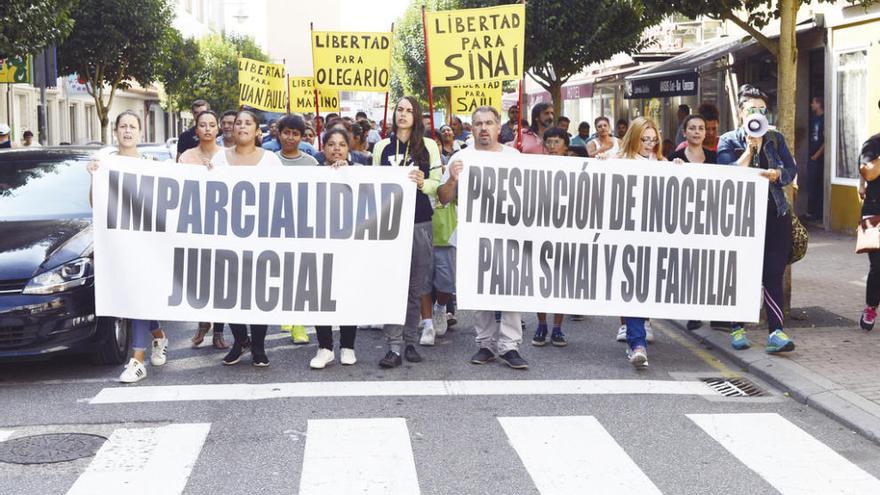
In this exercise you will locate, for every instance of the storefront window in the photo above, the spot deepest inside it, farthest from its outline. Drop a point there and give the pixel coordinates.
(852, 93)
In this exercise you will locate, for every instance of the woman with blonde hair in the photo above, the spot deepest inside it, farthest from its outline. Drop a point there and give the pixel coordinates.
(641, 141)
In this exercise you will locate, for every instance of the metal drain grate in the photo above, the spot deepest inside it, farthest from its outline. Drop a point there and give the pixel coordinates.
(734, 387)
(50, 448)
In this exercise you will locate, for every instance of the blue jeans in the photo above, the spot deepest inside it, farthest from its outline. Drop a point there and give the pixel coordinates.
(142, 333)
(635, 332)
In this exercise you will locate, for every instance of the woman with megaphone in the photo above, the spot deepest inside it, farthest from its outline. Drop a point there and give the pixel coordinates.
(755, 144)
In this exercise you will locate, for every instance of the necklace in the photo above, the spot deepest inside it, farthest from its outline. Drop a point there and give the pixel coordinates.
(397, 151)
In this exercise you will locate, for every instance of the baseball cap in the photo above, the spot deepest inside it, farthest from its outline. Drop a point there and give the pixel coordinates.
(4, 129)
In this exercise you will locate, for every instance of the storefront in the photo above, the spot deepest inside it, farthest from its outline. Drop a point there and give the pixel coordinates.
(852, 97)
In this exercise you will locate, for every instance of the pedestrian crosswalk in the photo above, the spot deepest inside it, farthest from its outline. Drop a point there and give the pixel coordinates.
(562, 455)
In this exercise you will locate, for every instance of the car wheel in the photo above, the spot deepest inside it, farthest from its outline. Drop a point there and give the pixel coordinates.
(114, 337)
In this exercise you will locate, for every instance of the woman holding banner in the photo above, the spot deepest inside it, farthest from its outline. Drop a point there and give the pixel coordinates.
(407, 146)
(246, 153)
(641, 142)
(144, 332)
(769, 153)
(604, 144)
(207, 129)
(337, 146)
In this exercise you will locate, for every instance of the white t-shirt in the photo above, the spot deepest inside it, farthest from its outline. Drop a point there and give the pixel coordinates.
(611, 152)
(268, 159)
(453, 239)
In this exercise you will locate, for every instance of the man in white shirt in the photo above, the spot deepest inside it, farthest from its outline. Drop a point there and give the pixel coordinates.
(492, 337)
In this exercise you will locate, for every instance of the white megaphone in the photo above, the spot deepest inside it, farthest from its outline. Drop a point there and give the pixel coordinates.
(757, 125)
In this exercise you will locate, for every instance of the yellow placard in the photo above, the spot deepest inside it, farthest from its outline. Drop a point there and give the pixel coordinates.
(476, 45)
(352, 61)
(15, 70)
(466, 99)
(302, 96)
(262, 85)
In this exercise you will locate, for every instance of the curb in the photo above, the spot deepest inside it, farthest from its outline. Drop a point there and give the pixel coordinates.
(803, 385)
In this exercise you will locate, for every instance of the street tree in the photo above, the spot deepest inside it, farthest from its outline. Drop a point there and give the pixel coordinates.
(181, 64)
(752, 16)
(564, 36)
(210, 73)
(113, 44)
(28, 26)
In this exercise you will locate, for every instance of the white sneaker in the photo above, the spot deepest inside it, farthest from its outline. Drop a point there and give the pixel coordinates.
(134, 371)
(346, 356)
(638, 357)
(649, 332)
(160, 347)
(439, 319)
(621, 333)
(322, 359)
(427, 334)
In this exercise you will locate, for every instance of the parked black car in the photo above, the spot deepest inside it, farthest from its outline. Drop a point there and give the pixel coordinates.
(47, 294)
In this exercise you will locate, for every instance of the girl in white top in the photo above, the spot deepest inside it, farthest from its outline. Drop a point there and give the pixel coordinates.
(604, 145)
(246, 152)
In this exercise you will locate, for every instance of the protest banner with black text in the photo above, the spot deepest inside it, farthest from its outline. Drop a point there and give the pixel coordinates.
(466, 99)
(262, 85)
(475, 45)
(352, 61)
(616, 237)
(305, 245)
(302, 96)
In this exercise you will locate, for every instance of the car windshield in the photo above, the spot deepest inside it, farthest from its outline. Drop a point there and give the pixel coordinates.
(55, 187)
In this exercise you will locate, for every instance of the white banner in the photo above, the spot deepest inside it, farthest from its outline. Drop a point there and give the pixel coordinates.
(286, 245)
(616, 237)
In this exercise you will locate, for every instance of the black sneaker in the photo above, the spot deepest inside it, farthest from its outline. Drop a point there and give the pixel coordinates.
(557, 338)
(483, 356)
(260, 359)
(411, 355)
(234, 355)
(540, 338)
(514, 360)
(694, 324)
(391, 360)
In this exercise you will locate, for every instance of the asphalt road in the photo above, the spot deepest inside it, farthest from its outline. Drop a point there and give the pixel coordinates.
(580, 420)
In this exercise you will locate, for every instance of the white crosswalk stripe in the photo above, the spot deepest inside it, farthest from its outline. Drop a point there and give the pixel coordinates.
(562, 455)
(364, 456)
(787, 457)
(144, 461)
(247, 391)
(574, 455)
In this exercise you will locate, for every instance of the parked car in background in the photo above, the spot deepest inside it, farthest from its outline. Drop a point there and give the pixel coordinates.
(47, 295)
(158, 151)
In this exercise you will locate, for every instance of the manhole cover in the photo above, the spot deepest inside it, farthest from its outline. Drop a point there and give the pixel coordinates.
(49, 448)
(734, 387)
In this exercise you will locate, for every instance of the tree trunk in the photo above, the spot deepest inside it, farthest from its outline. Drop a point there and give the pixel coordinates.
(556, 93)
(786, 94)
(105, 121)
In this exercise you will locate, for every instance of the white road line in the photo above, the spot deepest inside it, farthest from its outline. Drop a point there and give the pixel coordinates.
(144, 461)
(364, 456)
(786, 456)
(244, 391)
(4, 434)
(574, 455)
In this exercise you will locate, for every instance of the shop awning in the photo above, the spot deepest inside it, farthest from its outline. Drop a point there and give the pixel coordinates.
(677, 76)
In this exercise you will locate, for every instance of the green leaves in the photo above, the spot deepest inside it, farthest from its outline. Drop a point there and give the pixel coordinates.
(28, 26)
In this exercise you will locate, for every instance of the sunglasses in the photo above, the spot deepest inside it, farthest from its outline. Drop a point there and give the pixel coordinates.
(761, 110)
(650, 140)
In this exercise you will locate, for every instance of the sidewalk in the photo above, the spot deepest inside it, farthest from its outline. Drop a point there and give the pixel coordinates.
(835, 366)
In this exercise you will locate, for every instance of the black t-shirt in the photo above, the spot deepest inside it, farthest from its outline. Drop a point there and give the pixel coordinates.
(817, 133)
(6, 144)
(870, 152)
(187, 140)
(710, 155)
